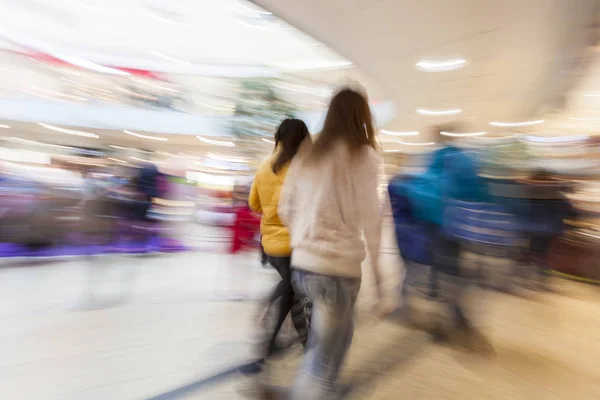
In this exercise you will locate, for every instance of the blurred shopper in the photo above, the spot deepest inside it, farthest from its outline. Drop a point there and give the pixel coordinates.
(329, 200)
(451, 176)
(245, 225)
(542, 220)
(244, 231)
(413, 240)
(264, 199)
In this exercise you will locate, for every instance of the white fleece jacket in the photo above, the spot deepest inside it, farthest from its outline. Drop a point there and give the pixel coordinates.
(329, 206)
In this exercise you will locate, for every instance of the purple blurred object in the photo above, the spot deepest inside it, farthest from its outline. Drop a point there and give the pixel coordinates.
(154, 244)
(13, 250)
(170, 245)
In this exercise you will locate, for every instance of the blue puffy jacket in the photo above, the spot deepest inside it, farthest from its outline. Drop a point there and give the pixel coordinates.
(452, 175)
(412, 235)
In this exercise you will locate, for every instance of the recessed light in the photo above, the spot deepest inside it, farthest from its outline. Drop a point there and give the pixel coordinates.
(455, 134)
(515, 124)
(442, 65)
(216, 142)
(416, 144)
(69, 131)
(80, 62)
(162, 139)
(393, 133)
(117, 160)
(556, 139)
(451, 111)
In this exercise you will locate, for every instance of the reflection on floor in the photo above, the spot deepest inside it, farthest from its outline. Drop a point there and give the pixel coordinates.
(123, 327)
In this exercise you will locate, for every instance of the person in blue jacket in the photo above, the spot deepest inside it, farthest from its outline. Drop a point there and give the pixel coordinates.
(413, 240)
(452, 175)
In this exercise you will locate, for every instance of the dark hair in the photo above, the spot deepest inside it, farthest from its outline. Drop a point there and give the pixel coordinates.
(541, 174)
(349, 120)
(288, 138)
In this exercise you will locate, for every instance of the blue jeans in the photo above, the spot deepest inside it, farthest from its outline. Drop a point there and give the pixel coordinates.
(329, 309)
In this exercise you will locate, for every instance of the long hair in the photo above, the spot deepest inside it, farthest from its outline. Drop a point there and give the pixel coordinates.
(289, 136)
(348, 120)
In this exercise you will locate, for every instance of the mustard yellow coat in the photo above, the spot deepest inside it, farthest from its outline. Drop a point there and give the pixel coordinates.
(264, 198)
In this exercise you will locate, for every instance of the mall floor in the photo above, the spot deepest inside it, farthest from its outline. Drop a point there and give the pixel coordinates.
(169, 326)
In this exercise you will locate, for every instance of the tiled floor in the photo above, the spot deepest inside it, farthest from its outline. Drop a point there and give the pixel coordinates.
(135, 327)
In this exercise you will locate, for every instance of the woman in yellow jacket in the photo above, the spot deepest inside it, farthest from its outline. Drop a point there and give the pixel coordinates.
(264, 199)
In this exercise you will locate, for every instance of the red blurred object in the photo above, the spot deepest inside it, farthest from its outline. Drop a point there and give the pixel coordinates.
(245, 229)
(50, 60)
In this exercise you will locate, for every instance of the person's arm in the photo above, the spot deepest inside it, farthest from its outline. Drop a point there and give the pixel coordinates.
(254, 198)
(370, 203)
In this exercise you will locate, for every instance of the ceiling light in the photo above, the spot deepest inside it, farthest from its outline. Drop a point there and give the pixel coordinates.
(453, 134)
(392, 151)
(392, 133)
(451, 111)
(4, 126)
(268, 141)
(514, 124)
(416, 144)
(216, 142)
(117, 160)
(556, 139)
(219, 157)
(156, 53)
(438, 66)
(586, 119)
(80, 62)
(592, 95)
(114, 146)
(69, 131)
(162, 139)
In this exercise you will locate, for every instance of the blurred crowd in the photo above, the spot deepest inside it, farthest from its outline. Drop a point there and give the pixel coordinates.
(472, 208)
(57, 210)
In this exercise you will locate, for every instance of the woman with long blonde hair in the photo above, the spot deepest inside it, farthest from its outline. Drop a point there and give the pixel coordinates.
(329, 202)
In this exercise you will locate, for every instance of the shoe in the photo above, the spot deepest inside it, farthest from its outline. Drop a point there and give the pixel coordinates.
(439, 334)
(475, 341)
(252, 369)
(260, 391)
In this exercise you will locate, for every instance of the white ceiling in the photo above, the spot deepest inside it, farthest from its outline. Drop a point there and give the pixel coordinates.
(520, 53)
(174, 32)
